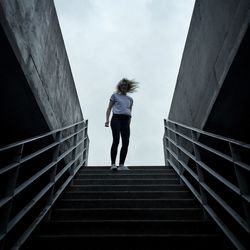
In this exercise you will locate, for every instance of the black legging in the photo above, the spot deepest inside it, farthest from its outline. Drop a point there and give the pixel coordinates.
(120, 126)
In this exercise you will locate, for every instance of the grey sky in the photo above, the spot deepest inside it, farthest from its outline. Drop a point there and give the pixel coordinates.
(107, 40)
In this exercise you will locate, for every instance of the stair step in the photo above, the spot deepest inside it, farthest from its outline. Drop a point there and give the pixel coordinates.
(130, 167)
(128, 227)
(127, 242)
(127, 203)
(125, 181)
(118, 175)
(133, 169)
(127, 213)
(165, 187)
(145, 208)
(126, 195)
(131, 172)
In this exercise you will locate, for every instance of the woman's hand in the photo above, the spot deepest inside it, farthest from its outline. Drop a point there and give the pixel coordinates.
(111, 103)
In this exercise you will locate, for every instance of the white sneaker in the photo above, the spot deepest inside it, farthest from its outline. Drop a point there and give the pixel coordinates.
(122, 167)
(113, 167)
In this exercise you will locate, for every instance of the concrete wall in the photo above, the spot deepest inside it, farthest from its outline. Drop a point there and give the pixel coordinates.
(34, 35)
(215, 34)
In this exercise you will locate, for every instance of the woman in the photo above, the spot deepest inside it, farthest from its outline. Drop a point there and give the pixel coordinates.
(121, 104)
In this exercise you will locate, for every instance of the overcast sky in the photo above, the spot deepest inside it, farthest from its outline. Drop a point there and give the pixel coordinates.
(107, 40)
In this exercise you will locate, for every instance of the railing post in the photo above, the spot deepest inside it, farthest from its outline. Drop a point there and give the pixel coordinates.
(203, 193)
(76, 127)
(165, 143)
(241, 180)
(52, 177)
(86, 144)
(10, 189)
(178, 143)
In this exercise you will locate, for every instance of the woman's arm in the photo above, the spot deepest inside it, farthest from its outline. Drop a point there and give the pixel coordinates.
(111, 103)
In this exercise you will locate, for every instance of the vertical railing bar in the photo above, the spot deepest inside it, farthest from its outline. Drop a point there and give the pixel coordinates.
(241, 181)
(56, 153)
(165, 143)
(177, 140)
(11, 186)
(200, 172)
(86, 144)
(17, 159)
(168, 141)
(63, 170)
(10, 189)
(71, 168)
(74, 151)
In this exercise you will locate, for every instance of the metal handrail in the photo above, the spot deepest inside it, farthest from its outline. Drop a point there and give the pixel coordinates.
(12, 145)
(223, 138)
(204, 146)
(67, 153)
(178, 154)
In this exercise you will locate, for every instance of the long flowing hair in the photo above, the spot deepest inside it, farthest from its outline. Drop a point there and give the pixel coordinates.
(132, 85)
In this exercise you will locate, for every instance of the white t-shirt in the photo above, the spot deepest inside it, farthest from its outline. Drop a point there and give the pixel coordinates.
(122, 104)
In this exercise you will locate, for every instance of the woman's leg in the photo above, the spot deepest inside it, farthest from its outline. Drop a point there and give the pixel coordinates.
(115, 126)
(125, 134)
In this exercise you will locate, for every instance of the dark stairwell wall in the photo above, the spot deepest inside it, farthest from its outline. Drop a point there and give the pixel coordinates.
(37, 89)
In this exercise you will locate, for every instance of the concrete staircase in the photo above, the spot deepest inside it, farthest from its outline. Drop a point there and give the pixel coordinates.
(144, 208)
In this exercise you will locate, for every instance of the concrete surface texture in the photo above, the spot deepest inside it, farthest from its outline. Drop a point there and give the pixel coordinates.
(215, 34)
(34, 33)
